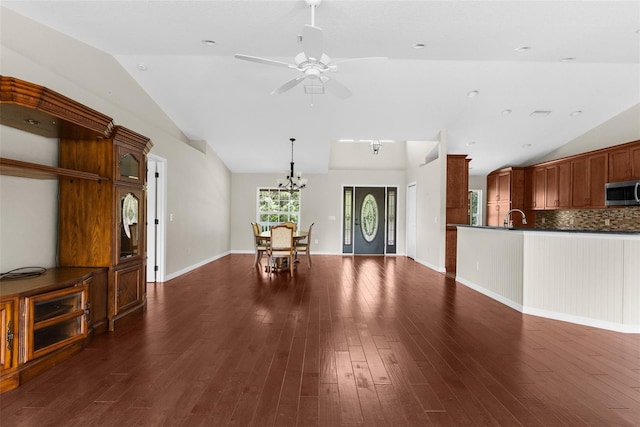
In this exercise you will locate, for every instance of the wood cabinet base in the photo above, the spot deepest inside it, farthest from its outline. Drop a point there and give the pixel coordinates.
(32, 369)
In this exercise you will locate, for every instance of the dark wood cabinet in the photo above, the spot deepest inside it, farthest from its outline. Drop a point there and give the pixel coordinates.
(54, 320)
(102, 223)
(101, 175)
(588, 176)
(457, 205)
(540, 190)
(47, 318)
(624, 163)
(505, 191)
(9, 342)
(557, 194)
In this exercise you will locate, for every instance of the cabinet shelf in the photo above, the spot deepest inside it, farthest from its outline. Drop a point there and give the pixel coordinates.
(36, 171)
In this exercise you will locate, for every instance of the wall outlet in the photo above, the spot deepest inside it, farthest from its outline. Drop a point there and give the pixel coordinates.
(544, 220)
(607, 221)
(332, 217)
(571, 221)
(170, 217)
(477, 265)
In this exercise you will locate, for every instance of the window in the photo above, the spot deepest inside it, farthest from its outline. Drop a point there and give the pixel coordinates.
(276, 206)
(392, 193)
(347, 231)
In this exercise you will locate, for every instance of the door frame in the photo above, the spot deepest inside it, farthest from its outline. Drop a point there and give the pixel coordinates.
(156, 234)
(411, 223)
(385, 218)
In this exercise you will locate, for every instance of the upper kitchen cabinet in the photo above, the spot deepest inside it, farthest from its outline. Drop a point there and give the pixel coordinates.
(588, 177)
(624, 163)
(558, 186)
(535, 188)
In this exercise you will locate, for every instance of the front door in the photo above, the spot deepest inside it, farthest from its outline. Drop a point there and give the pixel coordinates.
(368, 222)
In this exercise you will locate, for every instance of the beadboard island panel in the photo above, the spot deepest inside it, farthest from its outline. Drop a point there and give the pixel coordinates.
(580, 277)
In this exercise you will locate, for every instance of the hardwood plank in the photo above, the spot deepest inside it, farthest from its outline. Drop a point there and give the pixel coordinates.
(329, 405)
(367, 395)
(350, 412)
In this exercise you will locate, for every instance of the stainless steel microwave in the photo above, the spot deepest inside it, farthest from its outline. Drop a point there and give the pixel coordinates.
(625, 193)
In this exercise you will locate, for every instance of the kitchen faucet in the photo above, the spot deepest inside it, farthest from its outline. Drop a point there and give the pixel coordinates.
(508, 223)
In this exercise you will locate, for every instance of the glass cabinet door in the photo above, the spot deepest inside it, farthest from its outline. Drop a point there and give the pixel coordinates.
(130, 166)
(130, 223)
(54, 320)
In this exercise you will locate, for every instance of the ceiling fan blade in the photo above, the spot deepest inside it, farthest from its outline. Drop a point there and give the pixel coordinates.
(288, 85)
(263, 61)
(312, 43)
(336, 88)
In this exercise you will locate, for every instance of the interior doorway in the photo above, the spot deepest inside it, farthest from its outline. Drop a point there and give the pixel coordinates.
(156, 214)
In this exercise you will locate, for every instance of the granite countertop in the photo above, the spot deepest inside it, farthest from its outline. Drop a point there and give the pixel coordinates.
(563, 230)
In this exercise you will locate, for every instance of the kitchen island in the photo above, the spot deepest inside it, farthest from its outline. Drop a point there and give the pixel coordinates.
(589, 277)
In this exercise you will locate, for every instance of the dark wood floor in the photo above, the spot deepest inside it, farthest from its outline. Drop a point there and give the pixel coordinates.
(353, 341)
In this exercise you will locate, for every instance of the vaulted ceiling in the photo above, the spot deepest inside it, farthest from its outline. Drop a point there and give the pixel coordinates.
(578, 62)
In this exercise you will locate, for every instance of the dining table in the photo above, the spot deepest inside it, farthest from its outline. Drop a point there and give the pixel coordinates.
(297, 236)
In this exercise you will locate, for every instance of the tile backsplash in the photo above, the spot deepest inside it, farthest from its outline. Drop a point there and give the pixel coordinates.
(627, 218)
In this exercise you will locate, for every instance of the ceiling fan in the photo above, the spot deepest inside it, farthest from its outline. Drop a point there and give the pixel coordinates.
(312, 62)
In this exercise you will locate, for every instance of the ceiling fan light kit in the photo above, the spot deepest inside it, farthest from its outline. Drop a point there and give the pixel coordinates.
(312, 62)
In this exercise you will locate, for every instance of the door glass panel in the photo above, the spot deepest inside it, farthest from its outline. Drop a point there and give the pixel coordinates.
(369, 218)
(348, 206)
(129, 226)
(129, 166)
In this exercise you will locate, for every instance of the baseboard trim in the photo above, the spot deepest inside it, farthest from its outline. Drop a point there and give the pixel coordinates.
(194, 266)
(554, 315)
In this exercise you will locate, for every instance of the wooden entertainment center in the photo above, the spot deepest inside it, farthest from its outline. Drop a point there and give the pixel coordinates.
(100, 279)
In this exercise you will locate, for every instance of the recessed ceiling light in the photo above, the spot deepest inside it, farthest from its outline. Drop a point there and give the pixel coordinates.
(540, 113)
(473, 93)
(506, 112)
(575, 113)
(522, 48)
(142, 67)
(209, 42)
(418, 46)
(470, 143)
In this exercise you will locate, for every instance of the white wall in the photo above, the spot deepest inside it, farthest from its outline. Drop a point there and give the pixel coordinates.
(430, 179)
(199, 185)
(321, 200)
(28, 207)
(625, 127)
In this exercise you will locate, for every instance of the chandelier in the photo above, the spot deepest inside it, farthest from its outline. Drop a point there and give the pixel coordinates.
(293, 181)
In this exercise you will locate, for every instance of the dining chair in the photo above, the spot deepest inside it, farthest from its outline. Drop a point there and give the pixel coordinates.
(281, 247)
(291, 225)
(304, 247)
(261, 245)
